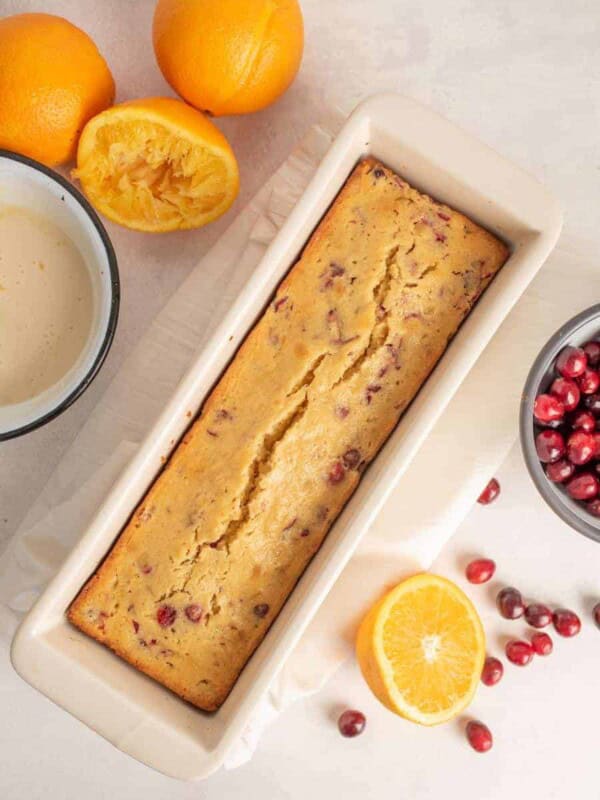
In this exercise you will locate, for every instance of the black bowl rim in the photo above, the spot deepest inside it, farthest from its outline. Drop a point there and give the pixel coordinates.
(115, 285)
(580, 522)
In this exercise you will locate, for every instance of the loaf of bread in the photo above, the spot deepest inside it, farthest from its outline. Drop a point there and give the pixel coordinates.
(222, 536)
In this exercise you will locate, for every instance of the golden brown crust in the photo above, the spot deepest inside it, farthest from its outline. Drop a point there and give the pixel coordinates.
(224, 533)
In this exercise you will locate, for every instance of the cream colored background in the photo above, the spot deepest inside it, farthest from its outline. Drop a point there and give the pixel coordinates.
(524, 77)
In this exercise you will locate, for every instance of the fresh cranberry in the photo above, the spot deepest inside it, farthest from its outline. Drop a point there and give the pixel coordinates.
(352, 723)
(261, 610)
(560, 471)
(194, 612)
(592, 403)
(571, 362)
(566, 622)
(567, 392)
(581, 447)
(166, 616)
(548, 408)
(596, 614)
(510, 603)
(479, 736)
(583, 420)
(336, 473)
(542, 644)
(592, 351)
(583, 487)
(490, 493)
(594, 506)
(596, 437)
(480, 570)
(589, 381)
(550, 446)
(492, 671)
(519, 652)
(538, 615)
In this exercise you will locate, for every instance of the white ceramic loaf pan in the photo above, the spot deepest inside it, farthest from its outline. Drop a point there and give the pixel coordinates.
(139, 716)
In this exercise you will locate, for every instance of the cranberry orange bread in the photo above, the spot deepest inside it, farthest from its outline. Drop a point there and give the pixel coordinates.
(218, 543)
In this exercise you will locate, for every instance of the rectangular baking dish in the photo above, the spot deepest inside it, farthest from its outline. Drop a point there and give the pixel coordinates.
(141, 717)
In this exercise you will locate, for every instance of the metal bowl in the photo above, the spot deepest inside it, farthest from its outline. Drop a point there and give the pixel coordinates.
(27, 183)
(576, 331)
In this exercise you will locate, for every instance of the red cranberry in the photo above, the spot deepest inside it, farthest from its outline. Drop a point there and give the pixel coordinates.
(583, 487)
(261, 610)
(490, 493)
(542, 644)
(592, 402)
(351, 459)
(550, 446)
(519, 652)
(596, 437)
(492, 671)
(584, 420)
(352, 723)
(592, 351)
(548, 408)
(479, 736)
(596, 614)
(566, 622)
(589, 381)
(538, 615)
(567, 392)
(581, 447)
(166, 616)
(571, 362)
(480, 570)
(336, 473)
(594, 507)
(560, 471)
(194, 612)
(510, 603)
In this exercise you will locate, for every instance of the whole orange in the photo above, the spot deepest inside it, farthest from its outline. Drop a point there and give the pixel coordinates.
(52, 81)
(228, 56)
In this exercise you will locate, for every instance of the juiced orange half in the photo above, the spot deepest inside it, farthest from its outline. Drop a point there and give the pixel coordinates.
(156, 164)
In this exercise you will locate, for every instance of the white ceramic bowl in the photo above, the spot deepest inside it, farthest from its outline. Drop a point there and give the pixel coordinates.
(135, 713)
(28, 184)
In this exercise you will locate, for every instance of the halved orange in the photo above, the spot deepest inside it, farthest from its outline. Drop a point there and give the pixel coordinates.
(421, 649)
(156, 164)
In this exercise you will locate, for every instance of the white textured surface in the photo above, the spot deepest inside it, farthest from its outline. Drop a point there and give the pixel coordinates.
(525, 79)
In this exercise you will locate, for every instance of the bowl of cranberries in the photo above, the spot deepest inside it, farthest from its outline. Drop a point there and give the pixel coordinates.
(560, 422)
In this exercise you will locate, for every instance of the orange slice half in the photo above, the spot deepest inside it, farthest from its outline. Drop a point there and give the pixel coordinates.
(156, 164)
(421, 649)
